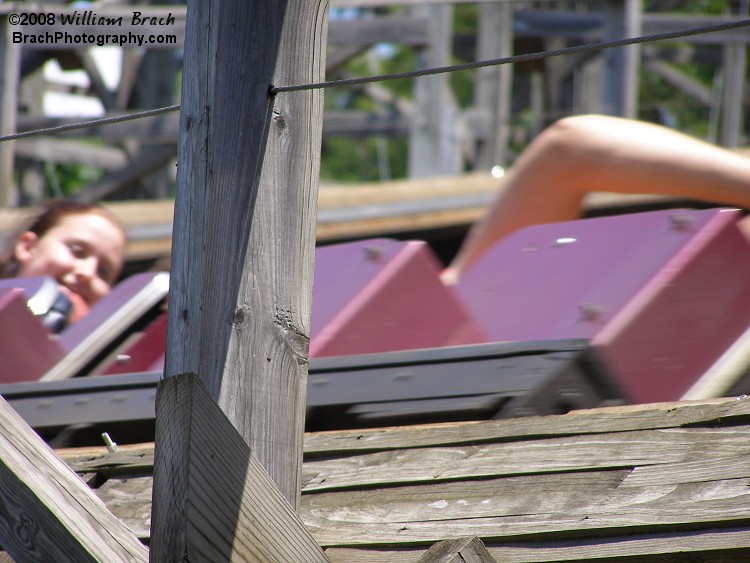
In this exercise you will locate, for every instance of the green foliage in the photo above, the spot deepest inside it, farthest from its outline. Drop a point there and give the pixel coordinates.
(358, 159)
(66, 180)
(72, 177)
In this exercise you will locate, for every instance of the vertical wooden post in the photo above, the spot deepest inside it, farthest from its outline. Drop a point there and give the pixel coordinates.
(435, 147)
(240, 295)
(734, 74)
(623, 19)
(494, 84)
(9, 68)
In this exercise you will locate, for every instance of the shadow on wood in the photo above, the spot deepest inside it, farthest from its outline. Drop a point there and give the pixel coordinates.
(207, 483)
(47, 513)
(461, 550)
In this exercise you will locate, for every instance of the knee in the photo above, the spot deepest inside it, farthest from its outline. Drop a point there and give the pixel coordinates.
(576, 135)
(581, 128)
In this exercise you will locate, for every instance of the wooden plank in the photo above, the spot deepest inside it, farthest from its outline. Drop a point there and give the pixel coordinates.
(481, 498)
(694, 471)
(544, 496)
(69, 151)
(573, 453)
(606, 420)
(462, 550)
(702, 546)
(47, 513)
(653, 510)
(157, 129)
(659, 517)
(363, 123)
(129, 498)
(573, 493)
(241, 279)
(716, 412)
(408, 30)
(213, 501)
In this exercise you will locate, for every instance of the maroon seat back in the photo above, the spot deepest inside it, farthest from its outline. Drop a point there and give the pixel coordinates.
(661, 295)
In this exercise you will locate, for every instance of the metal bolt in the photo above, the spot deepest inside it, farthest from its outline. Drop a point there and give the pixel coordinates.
(111, 446)
(373, 253)
(681, 221)
(590, 311)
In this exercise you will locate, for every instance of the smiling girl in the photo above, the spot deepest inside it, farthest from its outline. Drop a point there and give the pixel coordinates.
(80, 245)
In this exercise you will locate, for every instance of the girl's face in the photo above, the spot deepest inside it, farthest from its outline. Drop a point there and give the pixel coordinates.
(83, 252)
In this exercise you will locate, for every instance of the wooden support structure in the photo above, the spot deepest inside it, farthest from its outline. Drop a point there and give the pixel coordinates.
(244, 229)
(461, 550)
(220, 505)
(620, 88)
(494, 84)
(435, 146)
(9, 65)
(664, 482)
(47, 512)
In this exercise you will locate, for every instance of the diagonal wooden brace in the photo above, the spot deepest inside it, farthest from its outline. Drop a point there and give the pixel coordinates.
(213, 500)
(47, 513)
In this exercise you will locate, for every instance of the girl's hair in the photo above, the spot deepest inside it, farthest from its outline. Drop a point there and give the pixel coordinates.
(46, 218)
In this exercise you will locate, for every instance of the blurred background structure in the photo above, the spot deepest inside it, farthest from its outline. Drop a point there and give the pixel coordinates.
(443, 126)
(415, 158)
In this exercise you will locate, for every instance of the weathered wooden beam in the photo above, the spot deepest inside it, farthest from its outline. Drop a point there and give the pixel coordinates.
(494, 84)
(47, 513)
(69, 151)
(461, 550)
(620, 88)
(435, 143)
(9, 70)
(244, 228)
(405, 30)
(158, 129)
(217, 503)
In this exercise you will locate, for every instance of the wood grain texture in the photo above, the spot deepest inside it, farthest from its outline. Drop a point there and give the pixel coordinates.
(242, 257)
(695, 547)
(532, 489)
(592, 421)
(213, 501)
(460, 550)
(47, 513)
(574, 453)
(10, 62)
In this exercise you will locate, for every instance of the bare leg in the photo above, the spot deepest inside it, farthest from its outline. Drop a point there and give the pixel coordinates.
(582, 154)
